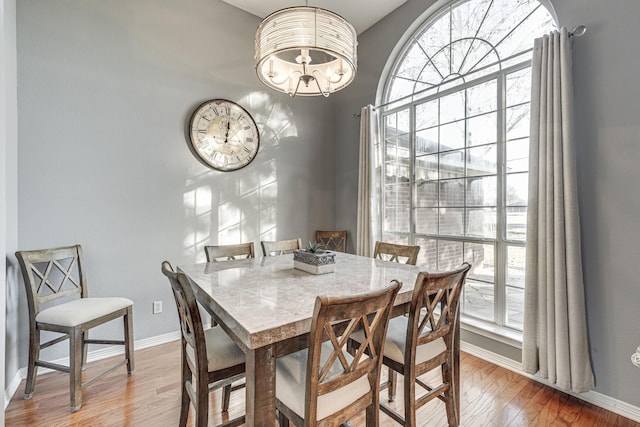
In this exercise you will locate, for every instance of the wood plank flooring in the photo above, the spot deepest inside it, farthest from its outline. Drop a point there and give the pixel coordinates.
(491, 396)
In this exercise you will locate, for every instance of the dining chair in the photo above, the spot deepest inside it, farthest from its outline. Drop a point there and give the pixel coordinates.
(210, 359)
(396, 252)
(332, 240)
(324, 385)
(57, 276)
(280, 247)
(229, 252)
(428, 338)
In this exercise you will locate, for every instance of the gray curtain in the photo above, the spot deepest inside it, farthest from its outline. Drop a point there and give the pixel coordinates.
(555, 341)
(368, 217)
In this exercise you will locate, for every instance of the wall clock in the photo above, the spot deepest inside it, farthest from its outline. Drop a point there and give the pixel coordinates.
(223, 135)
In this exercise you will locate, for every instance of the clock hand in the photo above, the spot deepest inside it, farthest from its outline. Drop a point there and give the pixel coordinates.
(226, 135)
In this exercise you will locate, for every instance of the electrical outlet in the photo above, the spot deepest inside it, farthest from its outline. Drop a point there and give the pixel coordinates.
(157, 307)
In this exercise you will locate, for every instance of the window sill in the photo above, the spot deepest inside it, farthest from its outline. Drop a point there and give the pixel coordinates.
(501, 334)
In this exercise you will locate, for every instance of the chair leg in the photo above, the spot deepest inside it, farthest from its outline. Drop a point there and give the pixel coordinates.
(450, 397)
(32, 369)
(184, 405)
(393, 384)
(409, 400)
(75, 368)
(226, 396)
(128, 341)
(282, 420)
(85, 349)
(373, 414)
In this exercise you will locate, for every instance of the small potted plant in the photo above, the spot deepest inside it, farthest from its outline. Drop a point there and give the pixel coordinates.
(314, 259)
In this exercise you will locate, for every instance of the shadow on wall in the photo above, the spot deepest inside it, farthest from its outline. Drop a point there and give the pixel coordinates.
(233, 207)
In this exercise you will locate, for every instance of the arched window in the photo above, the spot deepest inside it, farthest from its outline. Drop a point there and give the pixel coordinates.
(455, 147)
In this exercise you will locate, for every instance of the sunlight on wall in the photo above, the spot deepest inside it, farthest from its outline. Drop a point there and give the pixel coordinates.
(239, 206)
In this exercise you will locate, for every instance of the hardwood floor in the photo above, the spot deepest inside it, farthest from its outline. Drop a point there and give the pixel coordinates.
(491, 396)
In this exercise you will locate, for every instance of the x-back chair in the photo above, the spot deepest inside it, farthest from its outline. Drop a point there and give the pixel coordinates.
(51, 275)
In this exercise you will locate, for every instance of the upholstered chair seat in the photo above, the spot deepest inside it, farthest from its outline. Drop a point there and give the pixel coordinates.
(222, 352)
(291, 374)
(83, 310)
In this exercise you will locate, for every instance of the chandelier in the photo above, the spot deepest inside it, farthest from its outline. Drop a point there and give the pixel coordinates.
(306, 51)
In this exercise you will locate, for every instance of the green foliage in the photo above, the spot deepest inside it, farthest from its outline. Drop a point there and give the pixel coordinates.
(314, 247)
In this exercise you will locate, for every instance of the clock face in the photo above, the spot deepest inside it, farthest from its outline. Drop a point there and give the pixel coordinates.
(224, 135)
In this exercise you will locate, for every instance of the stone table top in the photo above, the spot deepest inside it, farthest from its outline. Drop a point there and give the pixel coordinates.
(265, 300)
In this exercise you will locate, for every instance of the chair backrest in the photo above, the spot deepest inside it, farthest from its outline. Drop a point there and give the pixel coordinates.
(430, 293)
(334, 320)
(50, 274)
(229, 252)
(280, 247)
(332, 240)
(193, 340)
(394, 251)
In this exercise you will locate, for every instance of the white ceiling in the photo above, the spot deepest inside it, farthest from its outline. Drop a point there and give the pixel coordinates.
(360, 13)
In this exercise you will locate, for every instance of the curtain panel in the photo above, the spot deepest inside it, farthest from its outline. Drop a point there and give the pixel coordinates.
(368, 205)
(555, 340)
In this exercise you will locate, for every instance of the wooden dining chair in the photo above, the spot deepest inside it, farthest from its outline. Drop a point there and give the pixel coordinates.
(280, 247)
(210, 359)
(395, 252)
(57, 276)
(332, 240)
(324, 385)
(229, 252)
(428, 338)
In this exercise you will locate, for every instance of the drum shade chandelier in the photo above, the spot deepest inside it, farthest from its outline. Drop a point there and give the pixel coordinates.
(306, 51)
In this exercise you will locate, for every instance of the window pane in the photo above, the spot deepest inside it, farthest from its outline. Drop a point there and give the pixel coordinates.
(403, 121)
(452, 192)
(482, 260)
(427, 115)
(517, 189)
(452, 107)
(396, 219)
(482, 129)
(426, 220)
(518, 155)
(452, 136)
(481, 223)
(481, 191)
(518, 87)
(452, 164)
(518, 121)
(427, 167)
(515, 307)
(482, 160)
(428, 255)
(426, 193)
(482, 98)
(449, 255)
(516, 223)
(451, 221)
(427, 141)
(516, 261)
(478, 299)
(390, 126)
(395, 238)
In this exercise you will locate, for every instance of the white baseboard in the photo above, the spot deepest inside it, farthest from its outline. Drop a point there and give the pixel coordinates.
(609, 403)
(92, 356)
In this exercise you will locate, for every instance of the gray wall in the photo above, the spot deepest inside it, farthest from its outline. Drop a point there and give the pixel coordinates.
(104, 91)
(8, 179)
(606, 67)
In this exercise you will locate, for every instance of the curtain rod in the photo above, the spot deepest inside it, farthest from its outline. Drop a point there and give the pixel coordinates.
(578, 31)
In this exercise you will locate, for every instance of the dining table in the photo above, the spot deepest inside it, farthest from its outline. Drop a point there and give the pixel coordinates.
(266, 306)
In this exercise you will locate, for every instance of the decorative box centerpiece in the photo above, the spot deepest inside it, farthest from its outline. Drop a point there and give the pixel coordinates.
(314, 259)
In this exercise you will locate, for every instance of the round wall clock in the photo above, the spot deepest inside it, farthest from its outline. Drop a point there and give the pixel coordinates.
(223, 135)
